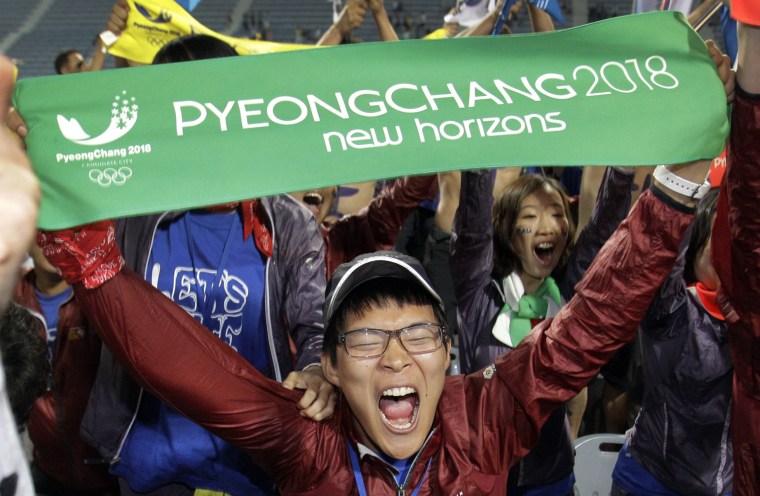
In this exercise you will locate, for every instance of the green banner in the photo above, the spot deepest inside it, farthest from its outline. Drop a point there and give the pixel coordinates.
(634, 90)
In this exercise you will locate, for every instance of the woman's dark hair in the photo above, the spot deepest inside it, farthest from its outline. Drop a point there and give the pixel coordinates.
(505, 210)
(24, 360)
(193, 47)
(700, 232)
(377, 294)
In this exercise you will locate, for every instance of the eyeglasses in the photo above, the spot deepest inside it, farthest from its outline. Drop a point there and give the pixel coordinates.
(416, 339)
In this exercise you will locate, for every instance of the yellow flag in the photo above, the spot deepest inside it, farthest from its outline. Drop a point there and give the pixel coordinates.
(153, 23)
(437, 34)
(208, 492)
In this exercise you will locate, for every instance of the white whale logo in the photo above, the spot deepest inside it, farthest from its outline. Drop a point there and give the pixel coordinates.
(123, 119)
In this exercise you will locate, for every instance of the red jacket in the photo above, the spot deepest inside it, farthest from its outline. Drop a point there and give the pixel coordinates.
(56, 416)
(485, 422)
(376, 226)
(736, 257)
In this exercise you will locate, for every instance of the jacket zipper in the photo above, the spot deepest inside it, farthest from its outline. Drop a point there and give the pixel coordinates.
(272, 350)
(401, 490)
(117, 456)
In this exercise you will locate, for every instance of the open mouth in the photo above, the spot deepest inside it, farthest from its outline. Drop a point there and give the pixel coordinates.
(398, 407)
(545, 252)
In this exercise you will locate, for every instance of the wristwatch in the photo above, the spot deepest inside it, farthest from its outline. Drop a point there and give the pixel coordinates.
(680, 185)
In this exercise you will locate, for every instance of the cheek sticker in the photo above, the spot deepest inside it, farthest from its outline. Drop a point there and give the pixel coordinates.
(523, 230)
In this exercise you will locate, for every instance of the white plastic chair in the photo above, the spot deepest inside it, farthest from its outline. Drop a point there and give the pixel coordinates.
(595, 457)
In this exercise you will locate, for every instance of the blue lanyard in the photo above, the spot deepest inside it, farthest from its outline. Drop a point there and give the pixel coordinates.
(360, 478)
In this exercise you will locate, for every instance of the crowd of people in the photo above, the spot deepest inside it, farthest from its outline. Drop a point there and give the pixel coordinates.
(303, 343)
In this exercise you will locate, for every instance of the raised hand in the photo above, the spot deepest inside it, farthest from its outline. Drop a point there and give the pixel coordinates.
(86, 254)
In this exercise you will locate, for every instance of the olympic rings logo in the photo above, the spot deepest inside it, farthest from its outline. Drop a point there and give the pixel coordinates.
(110, 176)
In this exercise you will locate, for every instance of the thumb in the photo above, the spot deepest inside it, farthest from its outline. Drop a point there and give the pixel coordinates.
(294, 380)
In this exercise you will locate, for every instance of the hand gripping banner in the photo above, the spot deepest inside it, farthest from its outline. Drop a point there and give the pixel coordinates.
(634, 90)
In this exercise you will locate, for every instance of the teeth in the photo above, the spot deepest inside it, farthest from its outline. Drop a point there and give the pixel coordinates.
(399, 391)
(545, 246)
(398, 426)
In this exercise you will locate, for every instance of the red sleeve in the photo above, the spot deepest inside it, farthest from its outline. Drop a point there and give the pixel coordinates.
(736, 257)
(376, 226)
(176, 358)
(560, 357)
(388, 211)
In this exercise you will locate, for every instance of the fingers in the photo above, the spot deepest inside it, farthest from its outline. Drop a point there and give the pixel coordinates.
(353, 15)
(19, 195)
(318, 403)
(6, 86)
(10, 152)
(118, 19)
(308, 400)
(16, 127)
(8, 114)
(723, 66)
(319, 398)
(376, 5)
(294, 381)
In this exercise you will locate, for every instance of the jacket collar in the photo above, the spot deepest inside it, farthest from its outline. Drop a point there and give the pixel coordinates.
(255, 222)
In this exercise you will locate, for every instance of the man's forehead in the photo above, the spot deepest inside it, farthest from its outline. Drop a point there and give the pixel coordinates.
(387, 307)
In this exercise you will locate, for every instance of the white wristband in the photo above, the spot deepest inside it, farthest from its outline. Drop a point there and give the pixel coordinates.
(108, 38)
(680, 185)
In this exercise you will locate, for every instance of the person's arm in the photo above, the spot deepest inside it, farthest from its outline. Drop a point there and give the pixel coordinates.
(384, 27)
(591, 181)
(376, 226)
(612, 204)
(19, 195)
(172, 355)
(561, 355)
(472, 258)
(748, 62)
(387, 212)
(117, 21)
(736, 255)
(540, 20)
(351, 17)
(19, 201)
(98, 58)
(299, 257)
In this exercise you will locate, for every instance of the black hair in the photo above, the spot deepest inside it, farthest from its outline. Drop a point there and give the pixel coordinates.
(61, 59)
(193, 47)
(24, 360)
(377, 294)
(505, 211)
(700, 232)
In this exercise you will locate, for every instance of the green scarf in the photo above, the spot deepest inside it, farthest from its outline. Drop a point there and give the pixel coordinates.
(531, 307)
